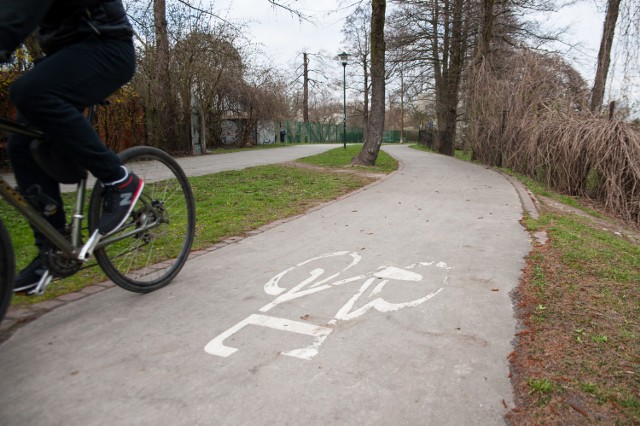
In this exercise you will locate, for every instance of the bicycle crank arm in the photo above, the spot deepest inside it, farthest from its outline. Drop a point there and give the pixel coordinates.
(90, 245)
(42, 284)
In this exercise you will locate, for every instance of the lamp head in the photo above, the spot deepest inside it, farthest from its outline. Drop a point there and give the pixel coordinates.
(344, 58)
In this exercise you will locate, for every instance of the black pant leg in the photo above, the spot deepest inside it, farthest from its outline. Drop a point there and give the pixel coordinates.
(52, 95)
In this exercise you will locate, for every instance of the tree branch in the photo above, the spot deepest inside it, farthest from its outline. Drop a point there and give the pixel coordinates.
(292, 11)
(207, 12)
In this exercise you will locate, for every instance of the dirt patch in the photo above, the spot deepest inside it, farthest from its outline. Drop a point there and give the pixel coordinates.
(343, 169)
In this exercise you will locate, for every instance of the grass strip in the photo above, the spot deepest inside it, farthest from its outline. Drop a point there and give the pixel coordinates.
(341, 157)
(577, 358)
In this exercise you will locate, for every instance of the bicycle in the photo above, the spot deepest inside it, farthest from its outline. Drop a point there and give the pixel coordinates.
(143, 255)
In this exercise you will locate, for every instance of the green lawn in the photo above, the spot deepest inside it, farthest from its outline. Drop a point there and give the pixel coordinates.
(341, 157)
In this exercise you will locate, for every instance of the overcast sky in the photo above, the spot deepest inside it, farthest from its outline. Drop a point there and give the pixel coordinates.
(282, 36)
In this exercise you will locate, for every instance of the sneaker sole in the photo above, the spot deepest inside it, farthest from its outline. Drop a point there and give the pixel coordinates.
(25, 288)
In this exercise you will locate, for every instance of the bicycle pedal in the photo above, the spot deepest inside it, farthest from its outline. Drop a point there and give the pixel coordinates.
(42, 284)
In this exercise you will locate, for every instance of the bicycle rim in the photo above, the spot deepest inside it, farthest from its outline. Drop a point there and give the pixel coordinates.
(7, 270)
(151, 258)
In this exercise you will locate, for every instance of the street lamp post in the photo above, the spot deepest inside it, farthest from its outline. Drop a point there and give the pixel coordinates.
(344, 57)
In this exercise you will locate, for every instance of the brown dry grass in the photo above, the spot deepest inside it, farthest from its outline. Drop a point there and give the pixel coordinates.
(584, 156)
(531, 117)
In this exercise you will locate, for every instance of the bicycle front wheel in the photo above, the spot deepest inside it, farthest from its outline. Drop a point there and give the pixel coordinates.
(149, 250)
(7, 270)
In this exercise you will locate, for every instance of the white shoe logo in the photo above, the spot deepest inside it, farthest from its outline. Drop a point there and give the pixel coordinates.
(125, 199)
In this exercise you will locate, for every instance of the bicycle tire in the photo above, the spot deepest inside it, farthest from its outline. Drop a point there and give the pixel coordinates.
(7, 270)
(150, 260)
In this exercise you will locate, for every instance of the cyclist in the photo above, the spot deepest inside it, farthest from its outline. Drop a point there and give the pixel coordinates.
(89, 54)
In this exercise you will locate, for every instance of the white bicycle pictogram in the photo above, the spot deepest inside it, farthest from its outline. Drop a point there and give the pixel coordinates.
(318, 280)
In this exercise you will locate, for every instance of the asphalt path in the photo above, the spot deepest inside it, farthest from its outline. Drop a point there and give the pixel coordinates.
(389, 306)
(206, 164)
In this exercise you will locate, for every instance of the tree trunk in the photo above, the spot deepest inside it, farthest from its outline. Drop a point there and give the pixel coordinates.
(487, 29)
(375, 127)
(448, 63)
(604, 55)
(164, 112)
(458, 48)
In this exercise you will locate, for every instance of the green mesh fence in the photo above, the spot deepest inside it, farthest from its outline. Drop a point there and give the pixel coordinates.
(299, 132)
(393, 136)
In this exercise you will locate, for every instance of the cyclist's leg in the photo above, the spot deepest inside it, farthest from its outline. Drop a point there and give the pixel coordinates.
(52, 95)
(28, 174)
(29, 177)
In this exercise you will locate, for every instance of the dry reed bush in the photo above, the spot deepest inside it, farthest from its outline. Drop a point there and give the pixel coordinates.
(592, 157)
(531, 117)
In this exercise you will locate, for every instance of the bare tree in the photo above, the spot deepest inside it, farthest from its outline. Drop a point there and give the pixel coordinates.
(311, 78)
(209, 68)
(185, 54)
(435, 35)
(262, 99)
(375, 127)
(325, 109)
(447, 40)
(357, 41)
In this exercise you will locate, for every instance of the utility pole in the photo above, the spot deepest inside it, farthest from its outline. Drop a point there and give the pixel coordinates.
(344, 58)
(305, 92)
(402, 103)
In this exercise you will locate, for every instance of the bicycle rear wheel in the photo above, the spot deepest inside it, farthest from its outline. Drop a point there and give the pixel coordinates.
(7, 270)
(147, 260)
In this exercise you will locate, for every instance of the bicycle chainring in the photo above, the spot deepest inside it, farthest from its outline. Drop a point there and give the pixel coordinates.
(57, 264)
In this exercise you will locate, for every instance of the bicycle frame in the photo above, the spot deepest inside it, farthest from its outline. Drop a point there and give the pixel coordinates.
(35, 218)
(69, 248)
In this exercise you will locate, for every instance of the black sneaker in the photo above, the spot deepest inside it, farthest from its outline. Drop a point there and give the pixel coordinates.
(30, 276)
(118, 201)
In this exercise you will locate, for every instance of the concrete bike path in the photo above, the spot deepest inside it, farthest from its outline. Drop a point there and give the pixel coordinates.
(390, 306)
(206, 164)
